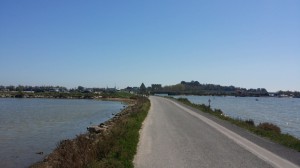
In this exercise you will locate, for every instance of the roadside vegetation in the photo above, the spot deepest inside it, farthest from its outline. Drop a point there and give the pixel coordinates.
(113, 147)
(267, 130)
(124, 95)
(117, 149)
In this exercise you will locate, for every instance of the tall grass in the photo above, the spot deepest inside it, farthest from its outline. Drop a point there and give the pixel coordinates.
(267, 130)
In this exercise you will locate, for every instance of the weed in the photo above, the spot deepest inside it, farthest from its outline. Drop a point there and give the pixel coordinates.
(269, 127)
(250, 122)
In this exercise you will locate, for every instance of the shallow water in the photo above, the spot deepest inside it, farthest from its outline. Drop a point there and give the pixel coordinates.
(284, 112)
(28, 126)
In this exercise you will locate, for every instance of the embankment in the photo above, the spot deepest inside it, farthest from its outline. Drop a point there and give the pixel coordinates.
(112, 145)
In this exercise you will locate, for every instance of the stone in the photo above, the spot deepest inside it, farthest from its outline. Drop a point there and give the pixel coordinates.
(95, 129)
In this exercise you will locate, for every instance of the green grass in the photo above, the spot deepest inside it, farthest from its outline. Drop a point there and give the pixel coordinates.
(117, 149)
(125, 95)
(266, 130)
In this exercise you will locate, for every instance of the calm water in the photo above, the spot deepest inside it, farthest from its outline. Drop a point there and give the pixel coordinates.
(284, 112)
(28, 126)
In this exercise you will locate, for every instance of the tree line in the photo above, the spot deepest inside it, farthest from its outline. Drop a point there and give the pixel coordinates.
(196, 88)
(61, 89)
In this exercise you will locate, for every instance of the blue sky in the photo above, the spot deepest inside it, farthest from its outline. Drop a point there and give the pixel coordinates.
(96, 43)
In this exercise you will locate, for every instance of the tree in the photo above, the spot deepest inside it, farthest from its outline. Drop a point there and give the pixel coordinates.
(11, 88)
(80, 88)
(143, 89)
(20, 88)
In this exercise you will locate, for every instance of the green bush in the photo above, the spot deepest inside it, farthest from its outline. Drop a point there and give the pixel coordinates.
(269, 127)
(250, 122)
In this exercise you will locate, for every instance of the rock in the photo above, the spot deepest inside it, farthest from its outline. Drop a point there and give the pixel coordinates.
(39, 153)
(95, 129)
(103, 126)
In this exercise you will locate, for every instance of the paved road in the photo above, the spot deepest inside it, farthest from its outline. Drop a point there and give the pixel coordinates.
(176, 136)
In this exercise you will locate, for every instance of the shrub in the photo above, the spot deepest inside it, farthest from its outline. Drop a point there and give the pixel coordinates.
(269, 127)
(20, 95)
(218, 111)
(184, 100)
(133, 97)
(250, 122)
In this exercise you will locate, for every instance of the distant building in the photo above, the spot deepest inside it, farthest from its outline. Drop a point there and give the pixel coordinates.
(28, 91)
(88, 90)
(54, 90)
(111, 89)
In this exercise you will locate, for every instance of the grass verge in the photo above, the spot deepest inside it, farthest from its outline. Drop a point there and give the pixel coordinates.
(267, 130)
(117, 149)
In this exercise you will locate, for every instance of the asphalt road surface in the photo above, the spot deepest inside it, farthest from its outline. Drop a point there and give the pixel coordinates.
(174, 135)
